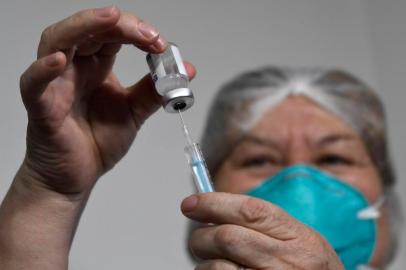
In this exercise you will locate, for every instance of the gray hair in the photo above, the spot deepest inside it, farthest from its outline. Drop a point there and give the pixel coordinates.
(343, 94)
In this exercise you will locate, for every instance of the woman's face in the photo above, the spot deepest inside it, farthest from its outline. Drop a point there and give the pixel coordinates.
(299, 131)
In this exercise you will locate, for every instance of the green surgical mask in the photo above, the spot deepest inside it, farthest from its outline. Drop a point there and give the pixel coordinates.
(331, 207)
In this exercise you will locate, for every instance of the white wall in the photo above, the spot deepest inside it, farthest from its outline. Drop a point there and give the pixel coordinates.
(387, 37)
(133, 218)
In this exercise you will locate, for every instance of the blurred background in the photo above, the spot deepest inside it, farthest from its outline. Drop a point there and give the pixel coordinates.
(133, 220)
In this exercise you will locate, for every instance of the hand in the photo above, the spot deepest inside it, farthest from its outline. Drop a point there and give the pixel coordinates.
(81, 120)
(254, 234)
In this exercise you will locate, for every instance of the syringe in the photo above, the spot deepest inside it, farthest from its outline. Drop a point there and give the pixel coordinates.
(196, 161)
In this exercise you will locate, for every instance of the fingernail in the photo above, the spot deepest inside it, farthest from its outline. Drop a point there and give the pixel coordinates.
(147, 30)
(189, 203)
(105, 11)
(161, 43)
(52, 60)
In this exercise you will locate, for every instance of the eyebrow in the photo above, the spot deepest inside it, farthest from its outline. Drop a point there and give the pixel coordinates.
(257, 140)
(333, 138)
(322, 142)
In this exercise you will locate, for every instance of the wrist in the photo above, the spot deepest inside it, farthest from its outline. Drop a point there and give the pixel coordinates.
(37, 225)
(30, 181)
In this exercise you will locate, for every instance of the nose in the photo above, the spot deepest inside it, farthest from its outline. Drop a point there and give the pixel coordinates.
(299, 153)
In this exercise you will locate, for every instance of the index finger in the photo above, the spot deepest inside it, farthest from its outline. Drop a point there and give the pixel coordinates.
(67, 33)
(131, 29)
(92, 23)
(242, 210)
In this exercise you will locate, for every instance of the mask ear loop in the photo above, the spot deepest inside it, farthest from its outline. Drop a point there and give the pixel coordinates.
(372, 211)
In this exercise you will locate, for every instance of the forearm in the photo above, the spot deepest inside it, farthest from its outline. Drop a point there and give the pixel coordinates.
(37, 225)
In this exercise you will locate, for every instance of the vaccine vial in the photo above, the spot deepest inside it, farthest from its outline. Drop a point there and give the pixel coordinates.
(171, 79)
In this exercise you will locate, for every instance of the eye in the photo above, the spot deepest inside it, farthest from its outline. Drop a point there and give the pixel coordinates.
(258, 161)
(333, 160)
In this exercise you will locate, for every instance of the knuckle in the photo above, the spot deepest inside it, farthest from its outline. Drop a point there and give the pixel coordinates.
(307, 258)
(279, 215)
(46, 34)
(320, 242)
(131, 18)
(217, 265)
(315, 261)
(227, 237)
(81, 16)
(25, 79)
(79, 19)
(82, 21)
(254, 211)
(195, 242)
(315, 251)
(136, 21)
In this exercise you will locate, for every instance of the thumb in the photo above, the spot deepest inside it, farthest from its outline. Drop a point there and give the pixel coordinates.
(144, 99)
(34, 83)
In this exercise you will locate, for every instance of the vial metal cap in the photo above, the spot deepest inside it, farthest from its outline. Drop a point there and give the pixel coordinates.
(177, 99)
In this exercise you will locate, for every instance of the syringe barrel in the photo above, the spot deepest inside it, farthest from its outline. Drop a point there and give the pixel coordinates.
(200, 172)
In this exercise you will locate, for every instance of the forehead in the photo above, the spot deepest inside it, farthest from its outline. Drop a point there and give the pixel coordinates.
(300, 116)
